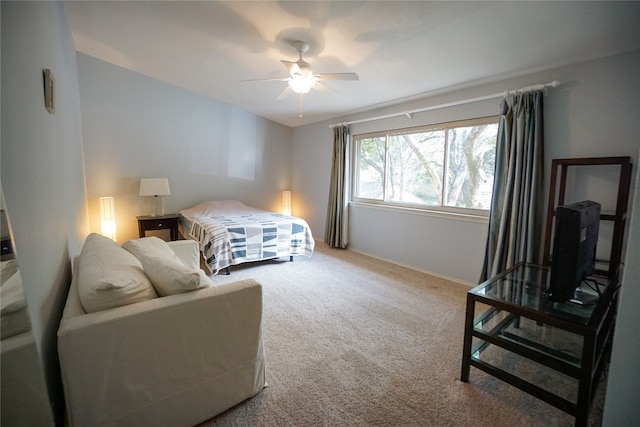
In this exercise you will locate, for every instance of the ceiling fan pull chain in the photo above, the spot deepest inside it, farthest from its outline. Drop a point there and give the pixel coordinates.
(300, 115)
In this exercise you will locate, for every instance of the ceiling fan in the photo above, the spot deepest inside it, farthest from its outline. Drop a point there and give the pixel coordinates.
(301, 77)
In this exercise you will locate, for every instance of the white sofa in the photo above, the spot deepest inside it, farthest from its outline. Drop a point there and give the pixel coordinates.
(176, 360)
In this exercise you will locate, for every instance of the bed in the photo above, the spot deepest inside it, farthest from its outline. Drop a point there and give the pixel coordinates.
(231, 233)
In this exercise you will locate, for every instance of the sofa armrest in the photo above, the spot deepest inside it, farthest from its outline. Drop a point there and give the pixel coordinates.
(180, 359)
(188, 251)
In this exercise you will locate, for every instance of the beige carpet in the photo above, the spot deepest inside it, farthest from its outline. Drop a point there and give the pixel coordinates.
(355, 341)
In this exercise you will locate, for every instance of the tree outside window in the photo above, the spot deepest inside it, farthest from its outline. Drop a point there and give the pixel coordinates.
(444, 166)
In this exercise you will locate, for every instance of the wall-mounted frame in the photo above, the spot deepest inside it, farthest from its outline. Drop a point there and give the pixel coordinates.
(49, 90)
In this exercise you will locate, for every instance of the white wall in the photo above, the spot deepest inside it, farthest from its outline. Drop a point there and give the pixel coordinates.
(623, 385)
(135, 126)
(592, 114)
(310, 170)
(42, 166)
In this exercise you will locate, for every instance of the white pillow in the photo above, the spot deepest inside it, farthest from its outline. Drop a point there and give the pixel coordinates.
(170, 278)
(153, 247)
(109, 276)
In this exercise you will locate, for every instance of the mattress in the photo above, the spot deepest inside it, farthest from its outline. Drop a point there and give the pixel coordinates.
(231, 233)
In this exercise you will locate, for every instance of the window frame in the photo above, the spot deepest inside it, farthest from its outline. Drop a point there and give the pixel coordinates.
(472, 214)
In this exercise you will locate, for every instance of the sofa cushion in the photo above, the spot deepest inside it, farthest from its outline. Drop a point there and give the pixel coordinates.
(110, 276)
(169, 277)
(151, 247)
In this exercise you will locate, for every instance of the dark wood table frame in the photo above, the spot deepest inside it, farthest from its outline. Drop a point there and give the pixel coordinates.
(560, 171)
(597, 333)
(159, 222)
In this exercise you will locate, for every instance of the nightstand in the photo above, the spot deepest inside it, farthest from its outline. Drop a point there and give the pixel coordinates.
(159, 222)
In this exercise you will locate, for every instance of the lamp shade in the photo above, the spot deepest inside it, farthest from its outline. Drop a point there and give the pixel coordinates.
(107, 217)
(154, 187)
(286, 202)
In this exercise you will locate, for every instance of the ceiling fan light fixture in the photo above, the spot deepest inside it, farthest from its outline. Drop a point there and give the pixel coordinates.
(302, 83)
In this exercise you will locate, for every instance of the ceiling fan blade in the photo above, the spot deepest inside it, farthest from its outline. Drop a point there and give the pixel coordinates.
(292, 67)
(275, 79)
(287, 64)
(284, 93)
(321, 87)
(338, 76)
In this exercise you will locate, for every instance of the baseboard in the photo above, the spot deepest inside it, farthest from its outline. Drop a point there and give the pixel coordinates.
(411, 267)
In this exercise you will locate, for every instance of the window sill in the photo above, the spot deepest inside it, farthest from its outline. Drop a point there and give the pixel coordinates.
(456, 216)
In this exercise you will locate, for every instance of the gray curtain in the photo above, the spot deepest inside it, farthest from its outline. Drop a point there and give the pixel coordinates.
(335, 234)
(515, 219)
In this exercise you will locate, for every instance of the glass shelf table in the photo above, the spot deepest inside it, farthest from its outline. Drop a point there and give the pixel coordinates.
(553, 351)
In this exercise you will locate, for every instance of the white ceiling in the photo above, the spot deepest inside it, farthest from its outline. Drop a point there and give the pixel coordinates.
(400, 49)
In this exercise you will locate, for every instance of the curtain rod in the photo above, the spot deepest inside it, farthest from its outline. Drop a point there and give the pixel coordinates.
(410, 113)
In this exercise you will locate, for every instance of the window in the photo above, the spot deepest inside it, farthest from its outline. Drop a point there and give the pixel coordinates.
(444, 167)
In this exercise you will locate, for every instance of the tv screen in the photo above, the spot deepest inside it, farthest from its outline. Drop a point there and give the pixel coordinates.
(574, 248)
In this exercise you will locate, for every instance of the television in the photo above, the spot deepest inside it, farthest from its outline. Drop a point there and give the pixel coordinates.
(574, 248)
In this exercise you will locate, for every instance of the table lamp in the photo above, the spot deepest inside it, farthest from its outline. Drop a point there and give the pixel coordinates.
(156, 187)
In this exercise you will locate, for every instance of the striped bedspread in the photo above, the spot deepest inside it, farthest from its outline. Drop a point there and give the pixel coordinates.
(232, 238)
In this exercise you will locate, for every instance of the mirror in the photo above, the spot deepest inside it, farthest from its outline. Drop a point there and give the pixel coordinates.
(15, 319)
(24, 394)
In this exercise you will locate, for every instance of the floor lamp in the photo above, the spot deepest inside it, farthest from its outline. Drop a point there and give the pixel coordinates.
(286, 202)
(107, 217)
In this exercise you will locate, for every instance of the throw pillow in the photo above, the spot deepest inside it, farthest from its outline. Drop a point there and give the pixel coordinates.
(153, 247)
(170, 277)
(109, 276)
